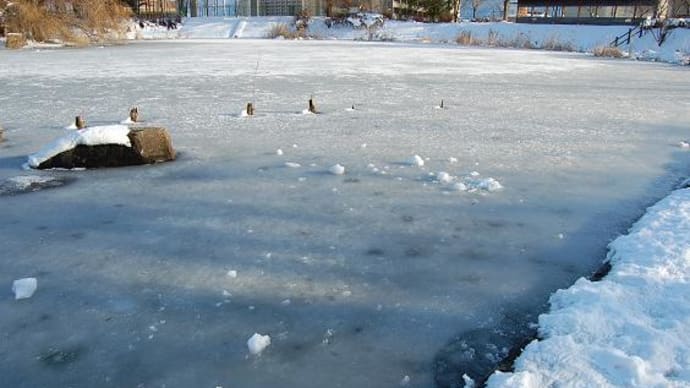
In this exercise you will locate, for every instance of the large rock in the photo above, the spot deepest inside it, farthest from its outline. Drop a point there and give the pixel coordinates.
(15, 41)
(149, 145)
(153, 144)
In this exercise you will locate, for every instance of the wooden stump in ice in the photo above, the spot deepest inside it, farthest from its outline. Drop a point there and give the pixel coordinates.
(2, 135)
(24, 288)
(79, 122)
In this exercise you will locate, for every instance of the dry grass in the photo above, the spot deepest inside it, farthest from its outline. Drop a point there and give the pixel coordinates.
(282, 29)
(606, 51)
(465, 39)
(71, 21)
(554, 44)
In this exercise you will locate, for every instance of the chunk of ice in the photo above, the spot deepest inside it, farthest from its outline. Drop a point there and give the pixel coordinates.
(24, 288)
(257, 343)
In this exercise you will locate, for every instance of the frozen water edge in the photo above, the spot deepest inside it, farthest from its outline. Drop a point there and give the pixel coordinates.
(628, 329)
(381, 270)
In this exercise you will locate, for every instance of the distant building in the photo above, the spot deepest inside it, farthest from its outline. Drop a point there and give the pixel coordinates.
(598, 11)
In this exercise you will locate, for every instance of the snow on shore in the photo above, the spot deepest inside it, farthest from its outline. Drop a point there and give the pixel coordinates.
(629, 329)
(108, 134)
(579, 38)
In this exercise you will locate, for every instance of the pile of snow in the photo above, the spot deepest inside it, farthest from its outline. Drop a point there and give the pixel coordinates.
(24, 288)
(416, 160)
(108, 134)
(337, 169)
(470, 183)
(629, 329)
(257, 343)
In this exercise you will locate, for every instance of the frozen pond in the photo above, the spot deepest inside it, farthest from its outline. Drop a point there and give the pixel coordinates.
(360, 279)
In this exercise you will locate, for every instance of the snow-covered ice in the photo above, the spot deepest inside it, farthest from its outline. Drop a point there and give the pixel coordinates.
(24, 288)
(398, 266)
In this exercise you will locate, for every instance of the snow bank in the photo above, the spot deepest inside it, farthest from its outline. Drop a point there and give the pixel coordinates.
(108, 134)
(581, 38)
(629, 329)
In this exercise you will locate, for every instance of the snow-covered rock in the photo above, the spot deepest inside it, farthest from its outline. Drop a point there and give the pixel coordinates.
(108, 134)
(24, 288)
(257, 343)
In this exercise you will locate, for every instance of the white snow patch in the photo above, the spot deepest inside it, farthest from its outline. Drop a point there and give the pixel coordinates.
(405, 381)
(279, 152)
(257, 343)
(452, 159)
(337, 169)
(629, 329)
(23, 182)
(416, 160)
(126, 121)
(109, 134)
(685, 144)
(444, 177)
(292, 165)
(24, 288)
(232, 274)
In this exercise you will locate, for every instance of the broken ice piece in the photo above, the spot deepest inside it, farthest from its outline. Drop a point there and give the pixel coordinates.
(337, 169)
(405, 381)
(232, 274)
(279, 152)
(257, 343)
(416, 160)
(24, 288)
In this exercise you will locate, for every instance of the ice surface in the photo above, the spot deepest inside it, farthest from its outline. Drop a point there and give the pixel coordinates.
(398, 266)
(24, 288)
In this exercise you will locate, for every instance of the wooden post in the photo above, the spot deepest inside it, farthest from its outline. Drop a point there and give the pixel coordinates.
(2, 131)
(441, 104)
(79, 122)
(312, 106)
(134, 114)
(250, 109)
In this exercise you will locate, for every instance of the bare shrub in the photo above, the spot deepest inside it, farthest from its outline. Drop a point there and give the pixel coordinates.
(492, 38)
(283, 30)
(465, 38)
(521, 41)
(73, 21)
(554, 44)
(607, 51)
(279, 29)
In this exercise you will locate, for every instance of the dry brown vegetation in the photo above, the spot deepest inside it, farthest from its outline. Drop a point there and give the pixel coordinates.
(606, 51)
(282, 29)
(69, 21)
